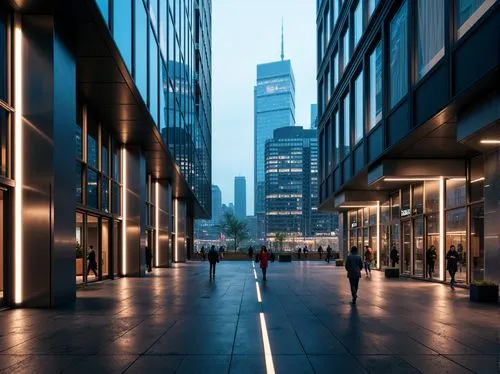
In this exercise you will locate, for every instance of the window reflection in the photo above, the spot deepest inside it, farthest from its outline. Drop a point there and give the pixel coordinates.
(141, 52)
(398, 55)
(430, 34)
(122, 30)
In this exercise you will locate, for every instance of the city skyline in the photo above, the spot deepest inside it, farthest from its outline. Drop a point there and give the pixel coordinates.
(237, 37)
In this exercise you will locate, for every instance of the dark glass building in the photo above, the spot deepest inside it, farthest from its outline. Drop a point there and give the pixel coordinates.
(105, 138)
(409, 130)
(208, 229)
(292, 185)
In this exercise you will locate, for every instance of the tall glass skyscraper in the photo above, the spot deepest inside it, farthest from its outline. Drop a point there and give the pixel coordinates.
(240, 197)
(274, 107)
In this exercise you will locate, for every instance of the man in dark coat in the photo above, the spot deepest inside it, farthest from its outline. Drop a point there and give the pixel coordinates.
(354, 265)
(452, 264)
(213, 259)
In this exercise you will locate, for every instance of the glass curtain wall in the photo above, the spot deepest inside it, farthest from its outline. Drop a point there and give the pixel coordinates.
(98, 197)
(398, 56)
(430, 28)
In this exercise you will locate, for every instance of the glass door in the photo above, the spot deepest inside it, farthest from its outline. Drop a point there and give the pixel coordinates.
(406, 248)
(80, 249)
(105, 248)
(418, 240)
(92, 253)
(116, 247)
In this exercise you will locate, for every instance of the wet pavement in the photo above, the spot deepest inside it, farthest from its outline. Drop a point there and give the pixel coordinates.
(180, 321)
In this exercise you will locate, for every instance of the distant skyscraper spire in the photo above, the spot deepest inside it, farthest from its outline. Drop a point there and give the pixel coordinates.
(282, 42)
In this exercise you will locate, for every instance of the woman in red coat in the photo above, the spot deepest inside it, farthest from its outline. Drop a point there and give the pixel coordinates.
(264, 260)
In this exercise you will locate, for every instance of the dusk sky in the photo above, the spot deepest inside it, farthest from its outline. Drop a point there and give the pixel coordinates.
(246, 33)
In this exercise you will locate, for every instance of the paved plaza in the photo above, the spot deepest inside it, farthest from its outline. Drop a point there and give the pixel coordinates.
(179, 321)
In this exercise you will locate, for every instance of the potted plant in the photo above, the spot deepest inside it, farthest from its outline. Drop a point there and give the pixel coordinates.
(483, 292)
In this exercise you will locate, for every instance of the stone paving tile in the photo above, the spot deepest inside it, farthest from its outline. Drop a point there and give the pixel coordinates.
(178, 320)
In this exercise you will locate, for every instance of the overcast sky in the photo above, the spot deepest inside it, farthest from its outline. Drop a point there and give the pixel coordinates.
(246, 33)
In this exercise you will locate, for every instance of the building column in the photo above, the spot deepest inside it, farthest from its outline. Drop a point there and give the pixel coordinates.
(180, 216)
(45, 91)
(134, 213)
(163, 223)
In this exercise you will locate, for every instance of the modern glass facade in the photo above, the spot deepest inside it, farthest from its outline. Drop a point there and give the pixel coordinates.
(132, 80)
(416, 119)
(274, 107)
(240, 198)
(292, 184)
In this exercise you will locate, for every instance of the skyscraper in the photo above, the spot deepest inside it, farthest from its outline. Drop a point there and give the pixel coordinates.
(240, 197)
(274, 107)
(292, 184)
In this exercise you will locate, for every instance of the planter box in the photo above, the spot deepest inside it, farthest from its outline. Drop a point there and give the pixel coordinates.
(339, 262)
(484, 294)
(391, 272)
(285, 258)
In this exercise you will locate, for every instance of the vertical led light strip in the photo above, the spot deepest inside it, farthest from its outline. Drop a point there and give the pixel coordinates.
(18, 163)
(124, 210)
(176, 228)
(378, 235)
(267, 346)
(441, 228)
(157, 224)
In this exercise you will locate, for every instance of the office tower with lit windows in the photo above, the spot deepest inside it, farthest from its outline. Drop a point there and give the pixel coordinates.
(409, 130)
(105, 140)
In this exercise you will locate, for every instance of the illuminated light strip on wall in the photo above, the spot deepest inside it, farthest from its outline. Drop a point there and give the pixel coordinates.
(357, 206)
(157, 224)
(409, 179)
(124, 211)
(176, 227)
(267, 346)
(378, 235)
(18, 164)
(477, 180)
(441, 228)
(259, 297)
(490, 141)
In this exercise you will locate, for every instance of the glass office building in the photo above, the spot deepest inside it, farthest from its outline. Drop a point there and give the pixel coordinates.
(291, 200)
(409, 131)
(274, 107)
(105, 139)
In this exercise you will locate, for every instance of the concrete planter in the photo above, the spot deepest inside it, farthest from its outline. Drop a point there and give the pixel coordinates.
(339, 262)
(391, 272)
(285, 258)
(484, 293)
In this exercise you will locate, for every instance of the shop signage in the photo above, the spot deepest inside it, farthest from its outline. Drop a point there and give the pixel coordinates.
(354, 225)
(405, 212)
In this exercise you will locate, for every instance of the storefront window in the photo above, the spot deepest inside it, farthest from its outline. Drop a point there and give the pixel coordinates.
(395, 206)
(431, 195)
(477, 241)
(418, 199)
(455, 193)
(80, 248)
(405, 203)
(456, 235)
(477, 179)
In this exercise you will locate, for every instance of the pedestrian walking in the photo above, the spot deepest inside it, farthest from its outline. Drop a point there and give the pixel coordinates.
(452, 265)
(354, 265)
(394, 255)
(430, 257)
(368, 260)
(149, 258)
(299, 251)
(306, 251)
(320, 251)
(213, 259)
(264, 261)
(221, 253)
(328, 254)
(92, 261)
(203, 253)
(250, 252)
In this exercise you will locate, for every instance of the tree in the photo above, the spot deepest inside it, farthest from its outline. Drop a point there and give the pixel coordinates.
(280, 238)
(233, 228)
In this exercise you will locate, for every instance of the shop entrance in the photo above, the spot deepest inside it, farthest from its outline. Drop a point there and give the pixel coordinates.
(92, 248)
(406, 247)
